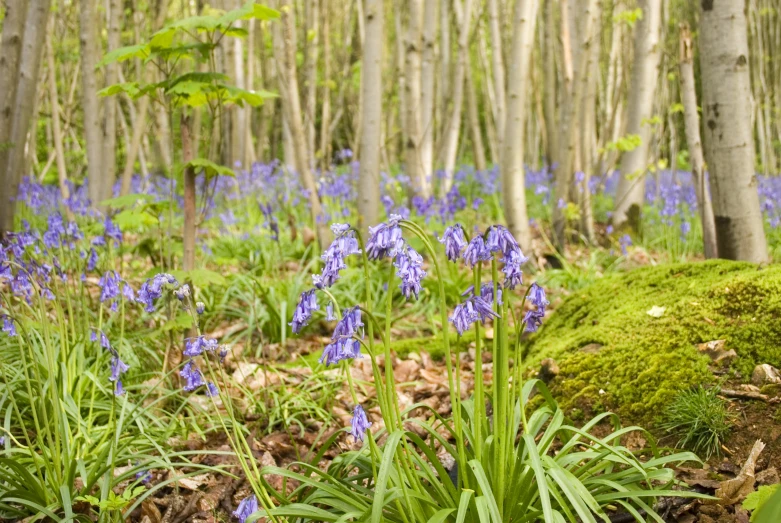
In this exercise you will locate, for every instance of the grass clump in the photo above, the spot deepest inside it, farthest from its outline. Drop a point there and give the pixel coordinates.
(699, 420)
(613, 355)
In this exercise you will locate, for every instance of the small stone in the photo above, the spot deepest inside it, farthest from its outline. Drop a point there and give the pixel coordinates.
(715, 351)
(768, 476)
(764, 374)
(549, 369)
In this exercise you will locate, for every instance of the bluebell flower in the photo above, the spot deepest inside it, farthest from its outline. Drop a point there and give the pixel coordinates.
(454, 241)
(196, 346)
(341, 349)
(476, 251)
(192, 375)
(152, 289)
(144, 476)
(329, 312)
(200, 307)
(307, 304)
(537, 296)
(247, 507)
(349, 324)
(334, 256)
(471, 310)
(499, 239)
(2, 441)
(118, 367)
(409, 267)
(513, 275)
(360, 424)
(625, 241)
(109, 288)
(533, 318)
(119, 389)
(486, 292)
(8, 326)
(212, 390)
(112, 231)
(92, 261)
(385, 239)
(609, 229)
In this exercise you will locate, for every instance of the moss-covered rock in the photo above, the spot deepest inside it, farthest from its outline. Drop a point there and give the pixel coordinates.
(614, 355)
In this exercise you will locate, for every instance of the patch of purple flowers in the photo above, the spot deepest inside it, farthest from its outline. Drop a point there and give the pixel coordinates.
(360, 424)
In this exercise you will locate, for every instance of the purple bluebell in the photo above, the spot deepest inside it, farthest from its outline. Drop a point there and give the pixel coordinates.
(499, 239)
(385, 239)
(334, 256)
(119, 389)
(360, 423)
(625, 241)
(341, 349)
(409, 267)
(476, 251)
(247, 507)
(486, 292)
(92, 261)
(8, 326)
(513, 275)
(329, 312)
(537, 296)
(112, 231)
(196, 346)
(192, 375)
(212, 390)
(533, 318)
(471, 310)
(454, 241)
(109, 288)
(200, 307)
(144, 476)
(152, 289)
(118, 367)
(349, 324)
(307, 304)
(609, 229)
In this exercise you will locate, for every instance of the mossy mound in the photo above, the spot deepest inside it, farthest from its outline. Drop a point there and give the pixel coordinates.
(643, 360)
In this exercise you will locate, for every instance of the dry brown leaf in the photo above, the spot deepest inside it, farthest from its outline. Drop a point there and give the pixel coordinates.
(733, 491)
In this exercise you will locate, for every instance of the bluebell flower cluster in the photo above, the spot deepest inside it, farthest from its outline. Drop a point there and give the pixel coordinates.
(533, 318)
(152, 289)
(474, 308)
(385, 239)
(409, 267)
(455, 242)
(8, 326)
(194, 347)
(111, 287)
(344, 244)
(116, 365)
(344, 343)
(360, 424)
(307, 304)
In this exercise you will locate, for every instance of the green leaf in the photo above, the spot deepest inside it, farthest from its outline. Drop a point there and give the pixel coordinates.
(131, 88)
(182, 321)
(757, 499)
(253, 98)
(125, 53)
(770, 511)
(133, 219)
(248, 11)
(200, 277)
(209, 169)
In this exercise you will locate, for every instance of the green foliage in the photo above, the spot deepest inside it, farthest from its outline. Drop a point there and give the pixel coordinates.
(624, 144)
(770, 510)
(604, 340)
(699, 420)
(759, 499)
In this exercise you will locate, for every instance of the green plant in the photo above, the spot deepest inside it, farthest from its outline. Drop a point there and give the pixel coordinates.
(524, 464)
(766, 510)
(699, 420)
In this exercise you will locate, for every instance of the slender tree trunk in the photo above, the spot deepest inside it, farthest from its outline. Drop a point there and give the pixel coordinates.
(369, 181)
(513, 182)
(412, 159)
(54, 101)
(190, 214)
(428, 75)
(445, 74)
(135, 145)
(291, 104)
(645, 71)
(549, 82)
(325, 112)
(474, 121)
(588, 123)
(692, 123)
(10, 58)
(25, 94)
(497, 58)
(729, 144)
(93, 136)
(310, 71)
(108, 156)
(454, 122)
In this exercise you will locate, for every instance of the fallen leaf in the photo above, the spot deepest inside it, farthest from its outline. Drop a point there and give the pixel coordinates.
(734, 490)
(656, 311)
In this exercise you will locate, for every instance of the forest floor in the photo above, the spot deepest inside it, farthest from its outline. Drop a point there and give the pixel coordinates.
(582, 357)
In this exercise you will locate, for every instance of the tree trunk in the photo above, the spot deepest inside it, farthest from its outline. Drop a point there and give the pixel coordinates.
(325, 112)
(498, 67)
(108, 157)
(454, 122)
(513, 182)
(412, 158)
(549, 91)
(10, 58)
(588, 124)
(474, 121)
(691, 120)
(57, 136)
(190, 214)
(291, 104)
(428, 75)
(729, 143)
(25, 95)
(311, 15)
(645, 70)
(371, 84)
(93, 136)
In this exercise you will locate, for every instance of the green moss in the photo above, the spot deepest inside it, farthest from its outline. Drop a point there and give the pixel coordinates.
(434, 346)
(644, 360)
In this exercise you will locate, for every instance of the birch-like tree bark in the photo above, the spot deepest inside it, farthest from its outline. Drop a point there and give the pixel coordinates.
(412, 157)
(285, 51)
(108, 156)
(645, 71)
(497, 58)
(513, 176)
(10, 57)
(464, 18)
(54, 102)
(549, 82)
(325, 111)
(311, 15)
(93, 135)
(30, 57)
(474, 121)
(371, 84)
(729, 143)
(692, 123)
(428, 75)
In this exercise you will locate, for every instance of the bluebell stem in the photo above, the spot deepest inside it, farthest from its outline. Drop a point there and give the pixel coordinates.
(385, 239)
(409, 265)
(307, 304)
(454, 241)
(247, 507)
(360, 424)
